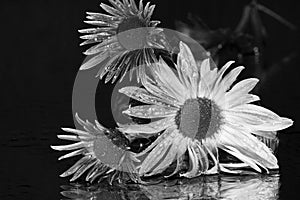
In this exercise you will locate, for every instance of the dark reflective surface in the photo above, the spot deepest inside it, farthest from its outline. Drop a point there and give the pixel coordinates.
(213, 187)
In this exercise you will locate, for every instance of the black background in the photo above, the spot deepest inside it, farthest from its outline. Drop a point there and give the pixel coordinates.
(40, 56)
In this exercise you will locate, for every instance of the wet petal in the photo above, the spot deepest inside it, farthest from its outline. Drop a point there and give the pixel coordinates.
(74, 153)
(156, 91)
(258, 118)
(143, 95)
(148, 129)
(76, 137)
(168, 81)
(118, 5)
(111, 10)
(155, 156)
(226, 83)
(239, 91)
(230, 102)
(233, 151)
(182, 148)
(83, 169)
(189, 69)
(221, 73)
(94, 61)
(133, 6)
(247, 145)
(202, 158)
(76, 131)
(69, 146)
(89, 127)
(193, 164)
(167, 161)
(207, 80)
(75, 167)
(160, 139)
(151, 111)
(265, 134)
(100, 17)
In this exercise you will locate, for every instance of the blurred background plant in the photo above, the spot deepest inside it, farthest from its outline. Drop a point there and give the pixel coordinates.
(245, 43)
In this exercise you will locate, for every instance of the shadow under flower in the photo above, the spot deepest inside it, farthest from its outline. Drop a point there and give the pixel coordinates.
(256, 187)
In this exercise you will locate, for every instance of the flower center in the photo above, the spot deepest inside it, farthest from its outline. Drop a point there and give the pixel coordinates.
(199, 118)
(132, 33)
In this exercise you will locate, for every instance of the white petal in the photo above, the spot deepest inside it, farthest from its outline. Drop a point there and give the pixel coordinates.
(73, 137)
(156, 91)
(238, 95)
(167, 80)
(171, 130)
(194, 164)
(231, 102)
(202, 158)
(73, 153)
(207, 80)
(265, 134)
(233, 151)
(223, 86)
(151, 111)
(204, 68)
(258, 118)
(95, 60)
(167, 161)
(155, 156)
(244, 86)
(143, 95)
(75, 131)
(222, 71)
(189, 69)
(248, 145)
(151, 128)
(70, 146)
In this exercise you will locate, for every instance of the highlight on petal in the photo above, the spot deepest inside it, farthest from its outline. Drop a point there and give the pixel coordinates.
(168, 81)
(146, 129)
(247, 147)
(258, 118)
(151, 111)
(188, 69)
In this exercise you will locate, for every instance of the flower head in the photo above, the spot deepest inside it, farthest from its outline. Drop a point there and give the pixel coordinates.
(105, 153)
(197, 111)
(126, 39)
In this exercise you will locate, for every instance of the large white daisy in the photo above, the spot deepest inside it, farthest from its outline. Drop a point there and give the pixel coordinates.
(198, 111)
(127, 39)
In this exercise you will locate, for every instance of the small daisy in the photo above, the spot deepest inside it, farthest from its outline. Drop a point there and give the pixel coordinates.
(105, 153)
(127, 38)
(197, 111)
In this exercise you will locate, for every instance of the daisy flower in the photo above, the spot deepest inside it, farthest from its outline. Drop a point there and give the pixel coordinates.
(197, 111)
(105, 153)
(126, 37)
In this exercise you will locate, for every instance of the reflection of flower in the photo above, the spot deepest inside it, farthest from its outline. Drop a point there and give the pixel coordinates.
(200, 112)
(105, 153)
(243, 187)
(126, 37)
(208, 187)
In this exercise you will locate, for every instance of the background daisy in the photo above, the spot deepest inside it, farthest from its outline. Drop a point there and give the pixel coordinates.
(126, 36)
